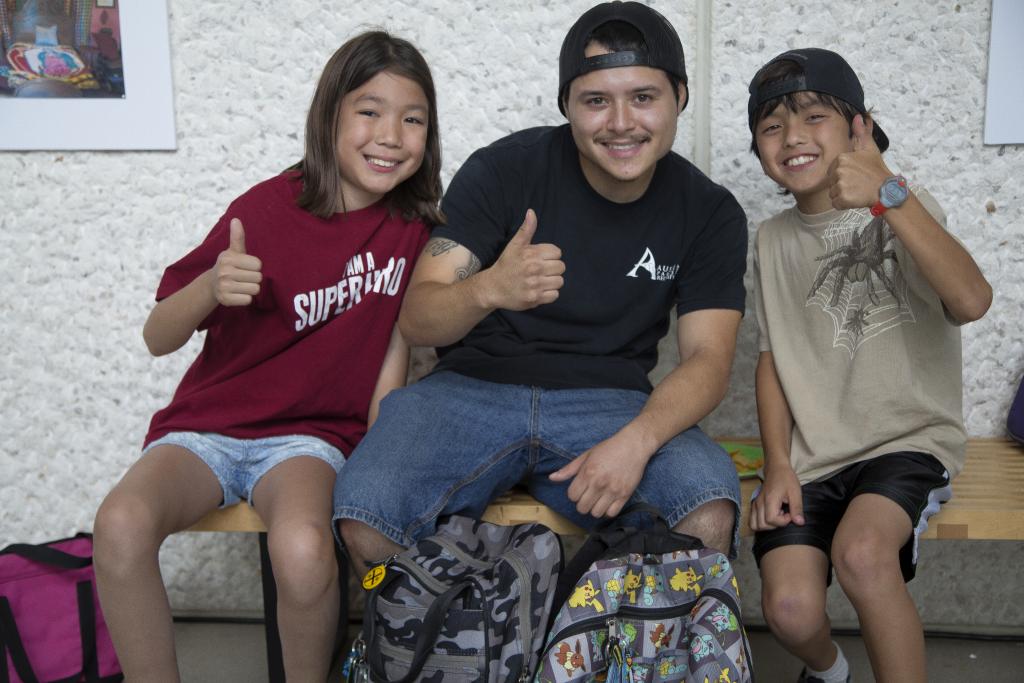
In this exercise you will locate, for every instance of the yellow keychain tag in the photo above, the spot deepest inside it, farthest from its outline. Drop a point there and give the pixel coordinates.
(374, 577)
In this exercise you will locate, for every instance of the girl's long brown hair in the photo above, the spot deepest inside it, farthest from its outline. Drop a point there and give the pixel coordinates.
(353, 64)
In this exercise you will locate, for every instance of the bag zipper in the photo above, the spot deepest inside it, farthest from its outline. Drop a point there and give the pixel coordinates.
(525, 611)
(725, 597)
(403, 656)
(521, 570)
(643, 614)
(428, 580)
(590, 622)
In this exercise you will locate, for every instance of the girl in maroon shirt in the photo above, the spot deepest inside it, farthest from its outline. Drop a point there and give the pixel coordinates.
(298, 288)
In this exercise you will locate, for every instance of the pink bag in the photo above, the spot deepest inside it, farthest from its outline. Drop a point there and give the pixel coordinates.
(51, 627)
(1015, 418)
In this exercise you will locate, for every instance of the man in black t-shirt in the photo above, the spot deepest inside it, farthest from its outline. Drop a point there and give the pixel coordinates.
(547, 293)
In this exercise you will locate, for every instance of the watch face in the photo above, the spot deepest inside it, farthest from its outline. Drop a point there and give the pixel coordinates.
(893, 192)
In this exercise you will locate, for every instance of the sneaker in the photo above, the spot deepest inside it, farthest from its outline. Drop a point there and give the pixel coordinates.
(804, 678)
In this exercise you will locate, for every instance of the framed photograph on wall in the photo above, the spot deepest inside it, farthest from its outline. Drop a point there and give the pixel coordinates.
(89, 74)
(1005, 87)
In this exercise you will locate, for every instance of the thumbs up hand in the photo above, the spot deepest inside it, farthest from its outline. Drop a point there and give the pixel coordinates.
(855, 177)
(236, 275)
(526, 275)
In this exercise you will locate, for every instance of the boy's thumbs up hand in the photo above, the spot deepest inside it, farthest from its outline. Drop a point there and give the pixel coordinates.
(855, 177)
(863, 140)
(526, 275)
(236, 275)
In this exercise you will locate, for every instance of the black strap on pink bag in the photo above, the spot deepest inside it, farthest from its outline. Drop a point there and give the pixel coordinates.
(12, 647)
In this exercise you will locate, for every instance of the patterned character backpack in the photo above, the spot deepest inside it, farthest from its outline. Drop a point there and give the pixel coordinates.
(466, 605)
(646, 604)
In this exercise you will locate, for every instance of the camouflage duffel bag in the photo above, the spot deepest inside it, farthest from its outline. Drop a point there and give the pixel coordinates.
(468, 604)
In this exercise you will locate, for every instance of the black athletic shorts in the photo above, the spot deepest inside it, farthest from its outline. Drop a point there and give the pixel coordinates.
(917, 482)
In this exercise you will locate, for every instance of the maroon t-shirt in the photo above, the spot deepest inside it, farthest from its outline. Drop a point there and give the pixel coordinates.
(304, 357)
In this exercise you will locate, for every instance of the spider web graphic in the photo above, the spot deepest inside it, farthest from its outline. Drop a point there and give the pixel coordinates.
(855, 317)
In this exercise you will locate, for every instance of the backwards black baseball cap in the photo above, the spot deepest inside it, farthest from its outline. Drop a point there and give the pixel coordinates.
(823, 71)
(664, 50)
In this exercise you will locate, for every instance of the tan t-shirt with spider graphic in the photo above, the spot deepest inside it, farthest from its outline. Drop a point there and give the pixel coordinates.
(867, 357)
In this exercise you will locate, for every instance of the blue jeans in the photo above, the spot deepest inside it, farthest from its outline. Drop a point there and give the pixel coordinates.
(450, 444)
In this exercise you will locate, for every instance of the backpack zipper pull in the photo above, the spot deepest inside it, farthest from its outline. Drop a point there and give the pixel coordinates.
(616, 658)
(612, 649)
(355, 669)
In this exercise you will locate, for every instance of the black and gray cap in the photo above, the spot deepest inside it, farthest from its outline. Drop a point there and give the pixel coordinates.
(664, 50)
(823, 71)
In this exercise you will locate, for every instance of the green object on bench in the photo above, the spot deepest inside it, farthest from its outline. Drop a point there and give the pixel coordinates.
(747, 457)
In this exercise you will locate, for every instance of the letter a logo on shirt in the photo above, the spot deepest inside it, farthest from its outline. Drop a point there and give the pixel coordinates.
(647, 263)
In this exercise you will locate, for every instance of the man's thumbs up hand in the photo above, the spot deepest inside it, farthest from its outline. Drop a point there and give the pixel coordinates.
(526, 275)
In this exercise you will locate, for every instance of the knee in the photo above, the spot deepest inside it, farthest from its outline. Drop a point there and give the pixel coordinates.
(712, 523)
(352, 534)
(794, 614)
(302, 555)
(363, 542)
(862, 563)
(125, 531)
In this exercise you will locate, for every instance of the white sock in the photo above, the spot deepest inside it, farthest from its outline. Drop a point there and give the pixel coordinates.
(836, 673)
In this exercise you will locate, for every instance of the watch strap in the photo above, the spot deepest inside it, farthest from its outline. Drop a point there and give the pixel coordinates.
(891, 194)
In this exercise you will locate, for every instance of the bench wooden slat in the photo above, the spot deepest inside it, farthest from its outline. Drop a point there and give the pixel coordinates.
(239, 517)
(988, 501)
(988, 496)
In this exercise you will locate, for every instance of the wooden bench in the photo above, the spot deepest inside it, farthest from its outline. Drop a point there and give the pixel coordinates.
(988, 503)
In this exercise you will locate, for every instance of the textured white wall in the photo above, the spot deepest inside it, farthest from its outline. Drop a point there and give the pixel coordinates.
(85, 236)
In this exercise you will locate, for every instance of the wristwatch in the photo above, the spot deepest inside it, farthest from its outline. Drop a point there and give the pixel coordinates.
(893, 193)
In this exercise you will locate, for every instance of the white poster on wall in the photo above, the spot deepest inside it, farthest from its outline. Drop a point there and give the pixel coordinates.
(1004, 124)
(98, 80)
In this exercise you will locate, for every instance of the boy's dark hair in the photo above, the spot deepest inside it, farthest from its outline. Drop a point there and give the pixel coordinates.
(822, 75)
(353, 64)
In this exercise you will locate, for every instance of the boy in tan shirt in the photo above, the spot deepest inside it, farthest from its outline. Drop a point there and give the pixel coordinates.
(859, 293)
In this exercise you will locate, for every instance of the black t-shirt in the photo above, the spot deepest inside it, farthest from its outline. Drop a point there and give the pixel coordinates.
(684, 243)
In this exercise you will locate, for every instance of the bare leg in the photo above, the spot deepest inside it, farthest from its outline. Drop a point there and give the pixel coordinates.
(865, 553)
(294, 500)
(793, 600)
(366, 546)
(712, 523)
(167, 490)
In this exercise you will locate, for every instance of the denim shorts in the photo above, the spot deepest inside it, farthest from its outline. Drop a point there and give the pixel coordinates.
(450, 444)
(240, 463)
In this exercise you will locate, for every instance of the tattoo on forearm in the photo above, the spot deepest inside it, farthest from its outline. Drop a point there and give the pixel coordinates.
(438, 246)
(472, 267)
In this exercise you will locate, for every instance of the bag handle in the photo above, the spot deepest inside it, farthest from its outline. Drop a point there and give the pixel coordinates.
(43, 553)
(617, 522)
(10, 639)
(87, 631)
(612, 538)
(433, 620)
